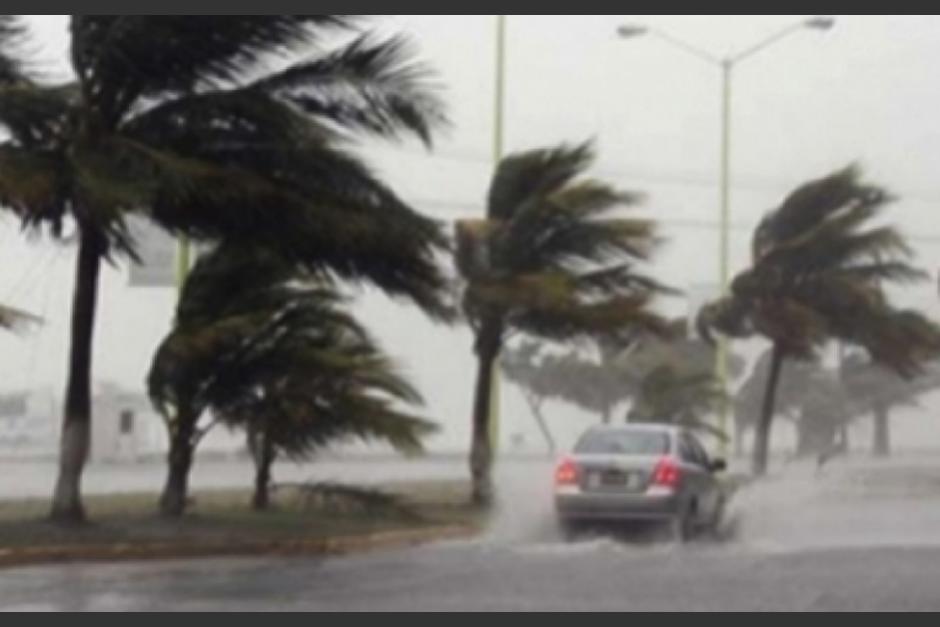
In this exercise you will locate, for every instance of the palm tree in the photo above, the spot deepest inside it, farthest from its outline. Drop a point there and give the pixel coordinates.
(270, 350)
(323, 390)
(180, 119)
(817, 272)
(549, 261)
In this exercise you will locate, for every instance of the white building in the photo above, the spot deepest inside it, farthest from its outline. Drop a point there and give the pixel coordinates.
(28, 425)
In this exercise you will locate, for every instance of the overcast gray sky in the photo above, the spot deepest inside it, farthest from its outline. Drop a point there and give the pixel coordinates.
(865, 91)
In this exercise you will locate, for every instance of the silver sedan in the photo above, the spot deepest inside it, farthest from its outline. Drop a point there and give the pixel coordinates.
(639, 472)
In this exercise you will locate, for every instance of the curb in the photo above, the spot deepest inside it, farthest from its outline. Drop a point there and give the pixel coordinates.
(337, 545)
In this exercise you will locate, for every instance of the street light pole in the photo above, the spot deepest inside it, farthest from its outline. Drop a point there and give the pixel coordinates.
(723, 260)
(183, 263)
(721, 355)
(499, 89)
(726, 65)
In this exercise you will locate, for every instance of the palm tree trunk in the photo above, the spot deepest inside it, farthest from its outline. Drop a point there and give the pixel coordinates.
(262, 497)
(179, 462)
(762, 432)
(481, 454)
(536, 407)
(252, 442)
(76, 424)
(881, 440)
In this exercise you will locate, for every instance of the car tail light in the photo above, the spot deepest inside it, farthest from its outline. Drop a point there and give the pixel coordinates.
(667, 473)
(567, 472)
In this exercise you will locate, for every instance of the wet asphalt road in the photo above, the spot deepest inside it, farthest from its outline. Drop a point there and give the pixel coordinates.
(861, 537)
(591, 575)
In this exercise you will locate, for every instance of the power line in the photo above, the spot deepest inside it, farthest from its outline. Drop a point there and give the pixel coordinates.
(43, 314)
(30, 273)
(684, 179)
(475, 209)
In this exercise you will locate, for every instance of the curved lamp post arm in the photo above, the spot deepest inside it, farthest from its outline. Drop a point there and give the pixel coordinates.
(817, 23)
(701, 53)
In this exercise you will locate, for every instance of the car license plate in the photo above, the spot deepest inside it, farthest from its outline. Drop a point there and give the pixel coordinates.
(617, 479)
(614, 478)
(634, 480)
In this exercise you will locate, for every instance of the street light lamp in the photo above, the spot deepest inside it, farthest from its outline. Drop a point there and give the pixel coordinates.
(820, 22)
(631, 30)
(726, 64)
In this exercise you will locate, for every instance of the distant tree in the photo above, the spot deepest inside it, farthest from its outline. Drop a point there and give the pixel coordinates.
(876, 390)
(668, 378)
(808, 395)
(522, 366)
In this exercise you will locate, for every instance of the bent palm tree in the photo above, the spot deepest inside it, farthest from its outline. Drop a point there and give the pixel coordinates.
(549, 261)
(272, 351)
(181, 120)
(322, 392)
(817, 272)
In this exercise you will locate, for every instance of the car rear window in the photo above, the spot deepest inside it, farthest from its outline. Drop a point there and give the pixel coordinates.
(624, 442)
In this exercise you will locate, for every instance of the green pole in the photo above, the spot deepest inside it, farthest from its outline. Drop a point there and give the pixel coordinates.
(499, 87)
(721, 364)
(499, 96)
(182, 262)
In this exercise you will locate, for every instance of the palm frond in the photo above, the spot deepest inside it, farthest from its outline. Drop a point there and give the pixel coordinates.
(369, 85)
(890, 271)
(522, 177)
(17, 320)
(121, 59)
(31, 185)
(814, 203)
(36, 116)
(14, 66)
(728, 316)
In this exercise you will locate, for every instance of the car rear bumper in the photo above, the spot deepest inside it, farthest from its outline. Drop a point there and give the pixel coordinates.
(578, 505)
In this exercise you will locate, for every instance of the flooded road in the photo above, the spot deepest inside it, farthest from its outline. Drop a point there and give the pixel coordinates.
(859, 536)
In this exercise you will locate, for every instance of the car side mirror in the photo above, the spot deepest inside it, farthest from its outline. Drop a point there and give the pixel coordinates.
(718, 465)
